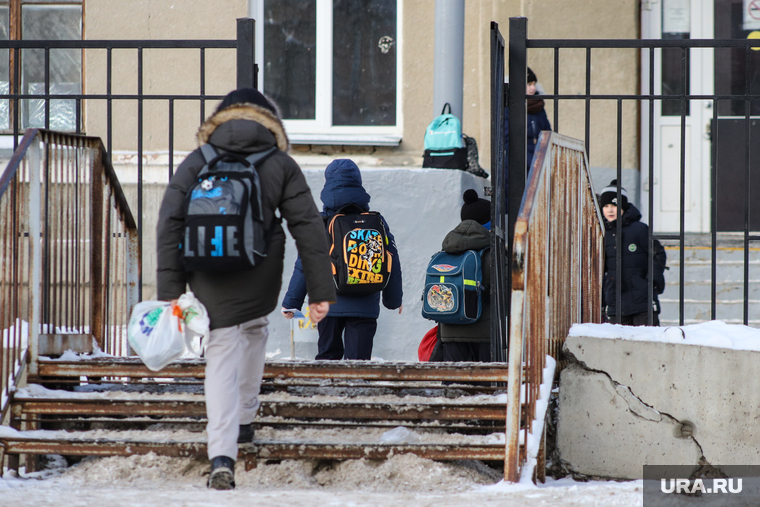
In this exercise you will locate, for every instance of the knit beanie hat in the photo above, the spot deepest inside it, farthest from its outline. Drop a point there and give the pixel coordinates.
(531, 76)
(246, 96)
(475, 208)
(609, 196)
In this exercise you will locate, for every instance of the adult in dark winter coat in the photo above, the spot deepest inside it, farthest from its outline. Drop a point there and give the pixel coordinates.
(237, 302)
(536, 121)
(357, 316)
(635, 260)
(470, 342)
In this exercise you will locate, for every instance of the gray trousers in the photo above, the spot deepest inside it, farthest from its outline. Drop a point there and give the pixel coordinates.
(234, 368)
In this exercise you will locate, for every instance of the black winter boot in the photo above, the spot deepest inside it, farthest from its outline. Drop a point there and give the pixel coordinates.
(222, 473)
(245, 434)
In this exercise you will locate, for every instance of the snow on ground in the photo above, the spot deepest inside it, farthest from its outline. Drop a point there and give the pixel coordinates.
(405, 480)
(715, 333)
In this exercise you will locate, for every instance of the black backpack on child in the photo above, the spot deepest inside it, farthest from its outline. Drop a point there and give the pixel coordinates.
(224, 227)
(361, 262)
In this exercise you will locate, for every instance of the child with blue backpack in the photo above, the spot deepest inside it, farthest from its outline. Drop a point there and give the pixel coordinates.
(470, 342)
(352, 319)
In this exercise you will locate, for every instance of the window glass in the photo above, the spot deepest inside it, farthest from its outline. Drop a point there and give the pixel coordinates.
(51, 22)
(732, 21)
(676, 24)
(4, 69)
(290, 33)
(364, 62)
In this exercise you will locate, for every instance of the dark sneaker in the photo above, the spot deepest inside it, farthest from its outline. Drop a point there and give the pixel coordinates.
(222, 473)
(245, 435)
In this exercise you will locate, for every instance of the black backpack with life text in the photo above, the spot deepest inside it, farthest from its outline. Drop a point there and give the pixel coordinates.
(224, 226)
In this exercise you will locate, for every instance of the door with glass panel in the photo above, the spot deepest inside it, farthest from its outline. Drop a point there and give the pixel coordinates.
(680, 128)
(719, 71)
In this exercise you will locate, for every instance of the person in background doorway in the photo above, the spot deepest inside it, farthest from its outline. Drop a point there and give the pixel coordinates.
(635, 300)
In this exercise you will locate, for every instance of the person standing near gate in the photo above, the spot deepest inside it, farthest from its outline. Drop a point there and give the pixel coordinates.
(244, 128)
(635, 301)
(537, 119)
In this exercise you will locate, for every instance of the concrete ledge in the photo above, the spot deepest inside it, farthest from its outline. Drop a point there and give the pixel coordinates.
(625, 403)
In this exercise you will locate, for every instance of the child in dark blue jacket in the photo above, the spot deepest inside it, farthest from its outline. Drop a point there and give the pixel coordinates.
(357, 316)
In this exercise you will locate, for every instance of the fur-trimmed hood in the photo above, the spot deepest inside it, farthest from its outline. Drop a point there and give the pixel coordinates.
(251, 112)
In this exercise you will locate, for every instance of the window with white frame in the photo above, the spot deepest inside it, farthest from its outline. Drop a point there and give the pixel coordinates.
(41, 20)
(332, 66)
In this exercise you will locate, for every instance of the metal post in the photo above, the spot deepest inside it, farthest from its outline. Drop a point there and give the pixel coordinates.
(499, 265)
(247, 71)
(97, 197)
(35, 250)
(448, 73)
(518, 113)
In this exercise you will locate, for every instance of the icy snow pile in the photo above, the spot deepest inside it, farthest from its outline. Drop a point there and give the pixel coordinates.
(715, 333)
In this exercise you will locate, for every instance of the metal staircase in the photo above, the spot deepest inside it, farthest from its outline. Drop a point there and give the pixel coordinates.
(344, 405)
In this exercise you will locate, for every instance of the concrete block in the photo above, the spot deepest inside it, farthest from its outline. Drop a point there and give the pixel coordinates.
(628, 403)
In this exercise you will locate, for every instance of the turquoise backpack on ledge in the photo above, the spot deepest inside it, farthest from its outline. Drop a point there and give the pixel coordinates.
(444, 147)
(453, 288)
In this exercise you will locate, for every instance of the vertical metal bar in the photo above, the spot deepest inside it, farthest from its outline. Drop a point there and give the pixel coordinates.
(35, 253)
(682, 213)
(109, 104)
(78, 115)
(16, 110)
(203, 85)
(47, 88)
(498, 199)
(171, 138)
(747, 138)
(108, 345)
(140, 158)
(78, 244)
(96, 251)
(556, 89)
(518, 75)
(246, 51)
(619, 220)
(650, 269)
(714, 214)
(588, 101)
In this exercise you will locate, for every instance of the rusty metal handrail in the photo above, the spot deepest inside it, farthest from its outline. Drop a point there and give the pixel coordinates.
(557, 268)
(80, 276)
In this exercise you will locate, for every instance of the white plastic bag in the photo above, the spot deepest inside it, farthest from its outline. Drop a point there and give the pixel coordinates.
(160, 332)
(196, 319)
(156, 334)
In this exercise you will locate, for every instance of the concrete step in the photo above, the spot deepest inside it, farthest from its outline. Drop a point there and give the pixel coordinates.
(697, 285)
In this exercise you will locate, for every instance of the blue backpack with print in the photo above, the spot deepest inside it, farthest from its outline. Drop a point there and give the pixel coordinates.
(444, 147)
(453, 291)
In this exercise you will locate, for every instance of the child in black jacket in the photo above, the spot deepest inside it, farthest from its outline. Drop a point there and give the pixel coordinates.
(635, 259)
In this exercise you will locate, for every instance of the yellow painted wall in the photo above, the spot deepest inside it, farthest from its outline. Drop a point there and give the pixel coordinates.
(165, 71)
(176, 71)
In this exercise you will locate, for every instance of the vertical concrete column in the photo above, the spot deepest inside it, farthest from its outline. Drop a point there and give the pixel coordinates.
(449, 56)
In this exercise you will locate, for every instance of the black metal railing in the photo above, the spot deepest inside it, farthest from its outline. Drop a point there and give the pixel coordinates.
(247, 75)
(519, 46)
(499, 272)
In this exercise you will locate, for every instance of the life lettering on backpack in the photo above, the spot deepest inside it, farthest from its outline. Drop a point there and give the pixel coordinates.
(223, 236)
